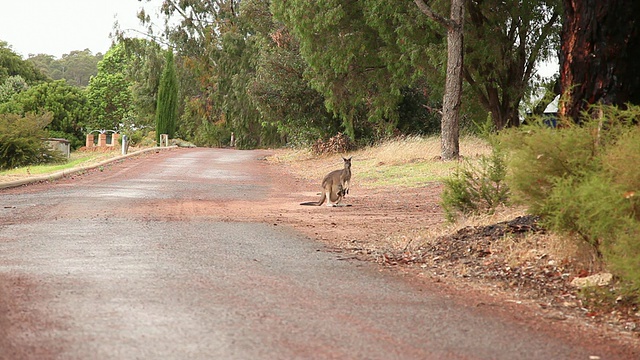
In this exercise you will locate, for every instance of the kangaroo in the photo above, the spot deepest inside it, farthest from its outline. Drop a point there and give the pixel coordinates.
(334, 186)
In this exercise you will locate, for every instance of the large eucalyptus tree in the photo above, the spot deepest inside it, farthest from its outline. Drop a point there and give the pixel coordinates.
(600, 51)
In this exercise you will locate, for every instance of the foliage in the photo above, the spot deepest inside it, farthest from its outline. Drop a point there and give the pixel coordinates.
(167, 108)
(276, 72)
(476, 186)
(145, 61)
(12, 85)
(542, 156)
(339, 143)
(414, 117)
(353, 57)
(279, 90)
(109, 92)
(579, 179)
(213, 134)
(216, 64)
(67, 104)
(21, 141)
(77, 67)
(504, 42)
(11, 64)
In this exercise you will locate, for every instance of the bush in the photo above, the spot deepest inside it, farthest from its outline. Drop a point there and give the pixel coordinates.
(21, 141)
(584, 179)
(476, 187)
(213, 134)
(541, 156)
(340, 143)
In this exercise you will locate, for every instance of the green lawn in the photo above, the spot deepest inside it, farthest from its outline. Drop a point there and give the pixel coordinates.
(76, 160)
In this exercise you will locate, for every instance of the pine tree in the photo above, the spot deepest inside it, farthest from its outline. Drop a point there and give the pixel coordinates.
(167, 107)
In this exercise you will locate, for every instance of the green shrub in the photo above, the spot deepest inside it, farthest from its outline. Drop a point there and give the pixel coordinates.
(622, 161)
(585, 179)
(623, 255)
(214, 134)
(591, 207)
(476, 186)
(540, 156)
(21, 141)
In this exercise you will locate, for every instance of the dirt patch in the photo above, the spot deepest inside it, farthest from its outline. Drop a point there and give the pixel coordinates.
(15, 291)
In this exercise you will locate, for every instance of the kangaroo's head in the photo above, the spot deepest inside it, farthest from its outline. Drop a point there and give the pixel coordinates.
(347, 162)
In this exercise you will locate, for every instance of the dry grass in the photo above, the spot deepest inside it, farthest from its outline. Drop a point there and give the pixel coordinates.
(406, 162)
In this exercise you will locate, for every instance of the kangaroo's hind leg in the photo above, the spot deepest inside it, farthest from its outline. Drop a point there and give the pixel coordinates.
(336, 195)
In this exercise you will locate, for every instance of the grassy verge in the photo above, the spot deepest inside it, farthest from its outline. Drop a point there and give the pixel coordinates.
(407, 162)
(77, 159)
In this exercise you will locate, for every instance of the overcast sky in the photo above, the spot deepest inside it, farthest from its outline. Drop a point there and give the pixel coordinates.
(57, 27)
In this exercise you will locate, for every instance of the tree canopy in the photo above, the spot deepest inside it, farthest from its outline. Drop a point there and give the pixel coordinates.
(11, 64)
(66, 104)
(77, 67)
(109, 92)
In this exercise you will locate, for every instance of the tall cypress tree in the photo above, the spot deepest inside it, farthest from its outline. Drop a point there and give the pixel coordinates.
(167, 107)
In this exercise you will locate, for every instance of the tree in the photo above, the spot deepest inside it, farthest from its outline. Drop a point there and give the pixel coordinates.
(278, 88)
(12, 85)
(354, 47)
(504, 42)
(343, 64)
(109, 92)
(450, 136)
(167, 109)
(77, 67)
(66, 104)
(11, 64)
(43, 62)
(600, 50)
(216, 65)
(145, 62)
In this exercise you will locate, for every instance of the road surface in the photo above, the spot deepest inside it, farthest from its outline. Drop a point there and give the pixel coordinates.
(148, 260)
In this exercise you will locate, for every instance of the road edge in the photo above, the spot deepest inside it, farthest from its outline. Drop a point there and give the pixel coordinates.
(63, 173)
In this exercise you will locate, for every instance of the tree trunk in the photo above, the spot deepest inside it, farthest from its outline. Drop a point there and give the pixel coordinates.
(450, 132)
(600, 51)
(450, 129)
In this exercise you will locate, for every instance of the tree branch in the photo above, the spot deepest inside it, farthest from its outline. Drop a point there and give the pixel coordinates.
(546, 29)
(447, 23)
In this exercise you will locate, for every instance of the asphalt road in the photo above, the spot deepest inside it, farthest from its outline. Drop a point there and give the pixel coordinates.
(120, 266)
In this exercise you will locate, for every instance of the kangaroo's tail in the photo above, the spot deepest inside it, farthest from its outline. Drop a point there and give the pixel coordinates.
(316, 203)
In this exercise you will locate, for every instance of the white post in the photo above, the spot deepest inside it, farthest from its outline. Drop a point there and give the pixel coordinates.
(164, 140)
(125, 144)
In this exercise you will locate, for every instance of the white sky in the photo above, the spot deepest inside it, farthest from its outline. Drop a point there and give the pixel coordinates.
(57, 27)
